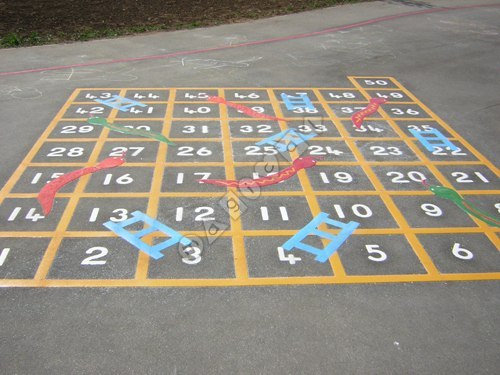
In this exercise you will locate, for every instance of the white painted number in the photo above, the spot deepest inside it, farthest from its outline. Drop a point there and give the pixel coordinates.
(320, 150)
(72, 129)
(203, 214)
(188, 151)
(31, 215)
(121, 213)
(118, 151)
(91, 260)
(290, 258)
(400, 112)
(190, 129)
(413, 176)
(257, 151)
(379, 82)
(342, 177)
(375, 250)
(360, 210)
(384, 151)
(440, 151)
(461, 253)
(431, 210)
(263, 128)
(120, 180)
(194, 255)
(59, 151)
(463, 178)
(3, 255)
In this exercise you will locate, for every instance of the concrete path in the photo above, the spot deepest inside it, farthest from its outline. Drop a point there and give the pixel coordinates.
(443, 52)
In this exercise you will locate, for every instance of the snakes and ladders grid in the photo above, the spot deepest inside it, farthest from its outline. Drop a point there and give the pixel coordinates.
(370, 175)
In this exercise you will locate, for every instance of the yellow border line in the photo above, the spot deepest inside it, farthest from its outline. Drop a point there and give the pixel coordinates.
(61, 231)
(314, 207)
(239, 252)
(50, 254)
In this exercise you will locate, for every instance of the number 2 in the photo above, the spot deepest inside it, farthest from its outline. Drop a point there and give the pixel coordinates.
(91, 260)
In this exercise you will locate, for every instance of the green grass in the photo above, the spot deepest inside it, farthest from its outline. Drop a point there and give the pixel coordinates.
(23, 38)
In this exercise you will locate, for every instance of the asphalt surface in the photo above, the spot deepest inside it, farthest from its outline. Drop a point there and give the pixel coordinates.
(448, 58)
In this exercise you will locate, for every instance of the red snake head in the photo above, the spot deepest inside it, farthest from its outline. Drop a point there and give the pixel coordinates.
(378, 100)
(306, 162)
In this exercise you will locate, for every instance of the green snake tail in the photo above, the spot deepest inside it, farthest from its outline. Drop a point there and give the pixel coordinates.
(481, 215)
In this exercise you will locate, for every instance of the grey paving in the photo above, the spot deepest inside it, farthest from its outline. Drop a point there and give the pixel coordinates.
(447, 59)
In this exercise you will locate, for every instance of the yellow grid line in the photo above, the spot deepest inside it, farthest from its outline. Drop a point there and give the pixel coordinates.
(61, 233)
(424, 258)
(314, 207)
(67, 215)
(239, 253)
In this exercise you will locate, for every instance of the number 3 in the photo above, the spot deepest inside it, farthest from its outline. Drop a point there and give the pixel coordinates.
(194, 255)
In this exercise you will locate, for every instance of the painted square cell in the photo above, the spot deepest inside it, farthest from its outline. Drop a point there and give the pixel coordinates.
(396, 178)
(408, 126)
(386, 151)
(243, 95)
(150, 110)
(247, 151)
(194, 129)
(370, 129)
(20, 257)
(462, 253)
(91, 213)
(379, 255)
(143, 125)
(35, 178)
(94, 258)
(265, 109)
(253, 129)
(194, 95)
(346, 110)
(470, 177)
(487, 203)
(239, 230)
(319, 125)
(148, 96)
(392, 96)
(399, 110)
(185, 179)
(193, 214)
(264, 260)
(92, 95)
(430, 211)
(191, 111)
(376, 83)
(260, 170)
(290, 93)
(338, 178)
(214, 261)
(199, 152)
(135, 152)
(276, 213)
(329, 150)
(368, 211)
(84, 111)
(461, 153)
(64, 152)
(315, 109)
(25, 214)
(347, 95)
(121, 180)
(75, 129)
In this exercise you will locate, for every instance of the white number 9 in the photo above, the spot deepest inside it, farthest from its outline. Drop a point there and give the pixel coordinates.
(431, 209)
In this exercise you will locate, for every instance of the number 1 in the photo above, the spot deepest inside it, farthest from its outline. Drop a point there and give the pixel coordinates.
(3, 255)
